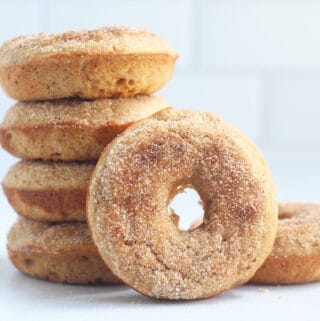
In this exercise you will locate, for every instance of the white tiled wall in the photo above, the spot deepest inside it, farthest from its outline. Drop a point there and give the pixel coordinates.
(261, 34)
(256, 63)
(236, 98)
(295, 109)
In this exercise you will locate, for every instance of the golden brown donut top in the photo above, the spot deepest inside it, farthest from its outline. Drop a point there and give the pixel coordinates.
(104, 41)
(298, 229)
(134, 182)
(27, 235)
(98, 112)
(49, 175)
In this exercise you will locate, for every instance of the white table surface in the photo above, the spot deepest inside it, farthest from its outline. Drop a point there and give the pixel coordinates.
(25, 298)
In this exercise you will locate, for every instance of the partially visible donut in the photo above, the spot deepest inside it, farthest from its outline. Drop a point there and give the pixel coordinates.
(49, 191)
(101, 63)
(57, 252)
(295, 257)
(135, 180)
(71, 129)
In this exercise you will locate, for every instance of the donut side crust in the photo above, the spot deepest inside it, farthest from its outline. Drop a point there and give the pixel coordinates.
(73, 268)
(295, 257)
(57, 252)
(71, 129)
(67, 142)
(48, 191)
(293, 269)
(87, 76)
(48, 204)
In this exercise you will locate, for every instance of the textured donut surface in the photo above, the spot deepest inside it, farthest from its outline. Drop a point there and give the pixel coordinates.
(49, 191)
(295, 257)
(138, 175)
(57, 252)
(101, 63)
(71, 129)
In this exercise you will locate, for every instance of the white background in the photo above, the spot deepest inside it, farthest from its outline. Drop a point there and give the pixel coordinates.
(255, 63)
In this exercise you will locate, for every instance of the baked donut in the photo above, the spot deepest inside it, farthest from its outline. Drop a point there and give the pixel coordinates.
(49, 191)
(101, 63)
(139, 174)
(57, 252)
(295, 257)
(71, 129)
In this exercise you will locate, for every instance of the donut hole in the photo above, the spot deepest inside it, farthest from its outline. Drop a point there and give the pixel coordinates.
(186, 209)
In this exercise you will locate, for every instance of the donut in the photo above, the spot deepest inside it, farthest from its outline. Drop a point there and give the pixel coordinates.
(295, 257)
(139, 174)
(71, 129)
(101, 63)
(49, 191)
(57, 252)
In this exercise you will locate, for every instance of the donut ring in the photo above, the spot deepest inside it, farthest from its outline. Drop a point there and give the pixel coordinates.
(58, 194)
(295, 257)
(71, 129)
(57, 252)
(101, 63)
(141, 171)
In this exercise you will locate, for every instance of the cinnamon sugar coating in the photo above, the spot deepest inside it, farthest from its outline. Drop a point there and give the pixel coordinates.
(71, 129)
(101, 63)
(110, 40)
(138, 175)
(57, 252)
(295, 257)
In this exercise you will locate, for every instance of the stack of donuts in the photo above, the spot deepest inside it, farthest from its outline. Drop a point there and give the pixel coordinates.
(98, 151)
(76, 91)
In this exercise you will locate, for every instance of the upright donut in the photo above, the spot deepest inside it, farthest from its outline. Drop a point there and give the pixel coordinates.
(138, 175)
(295, 257)
(101, 63)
